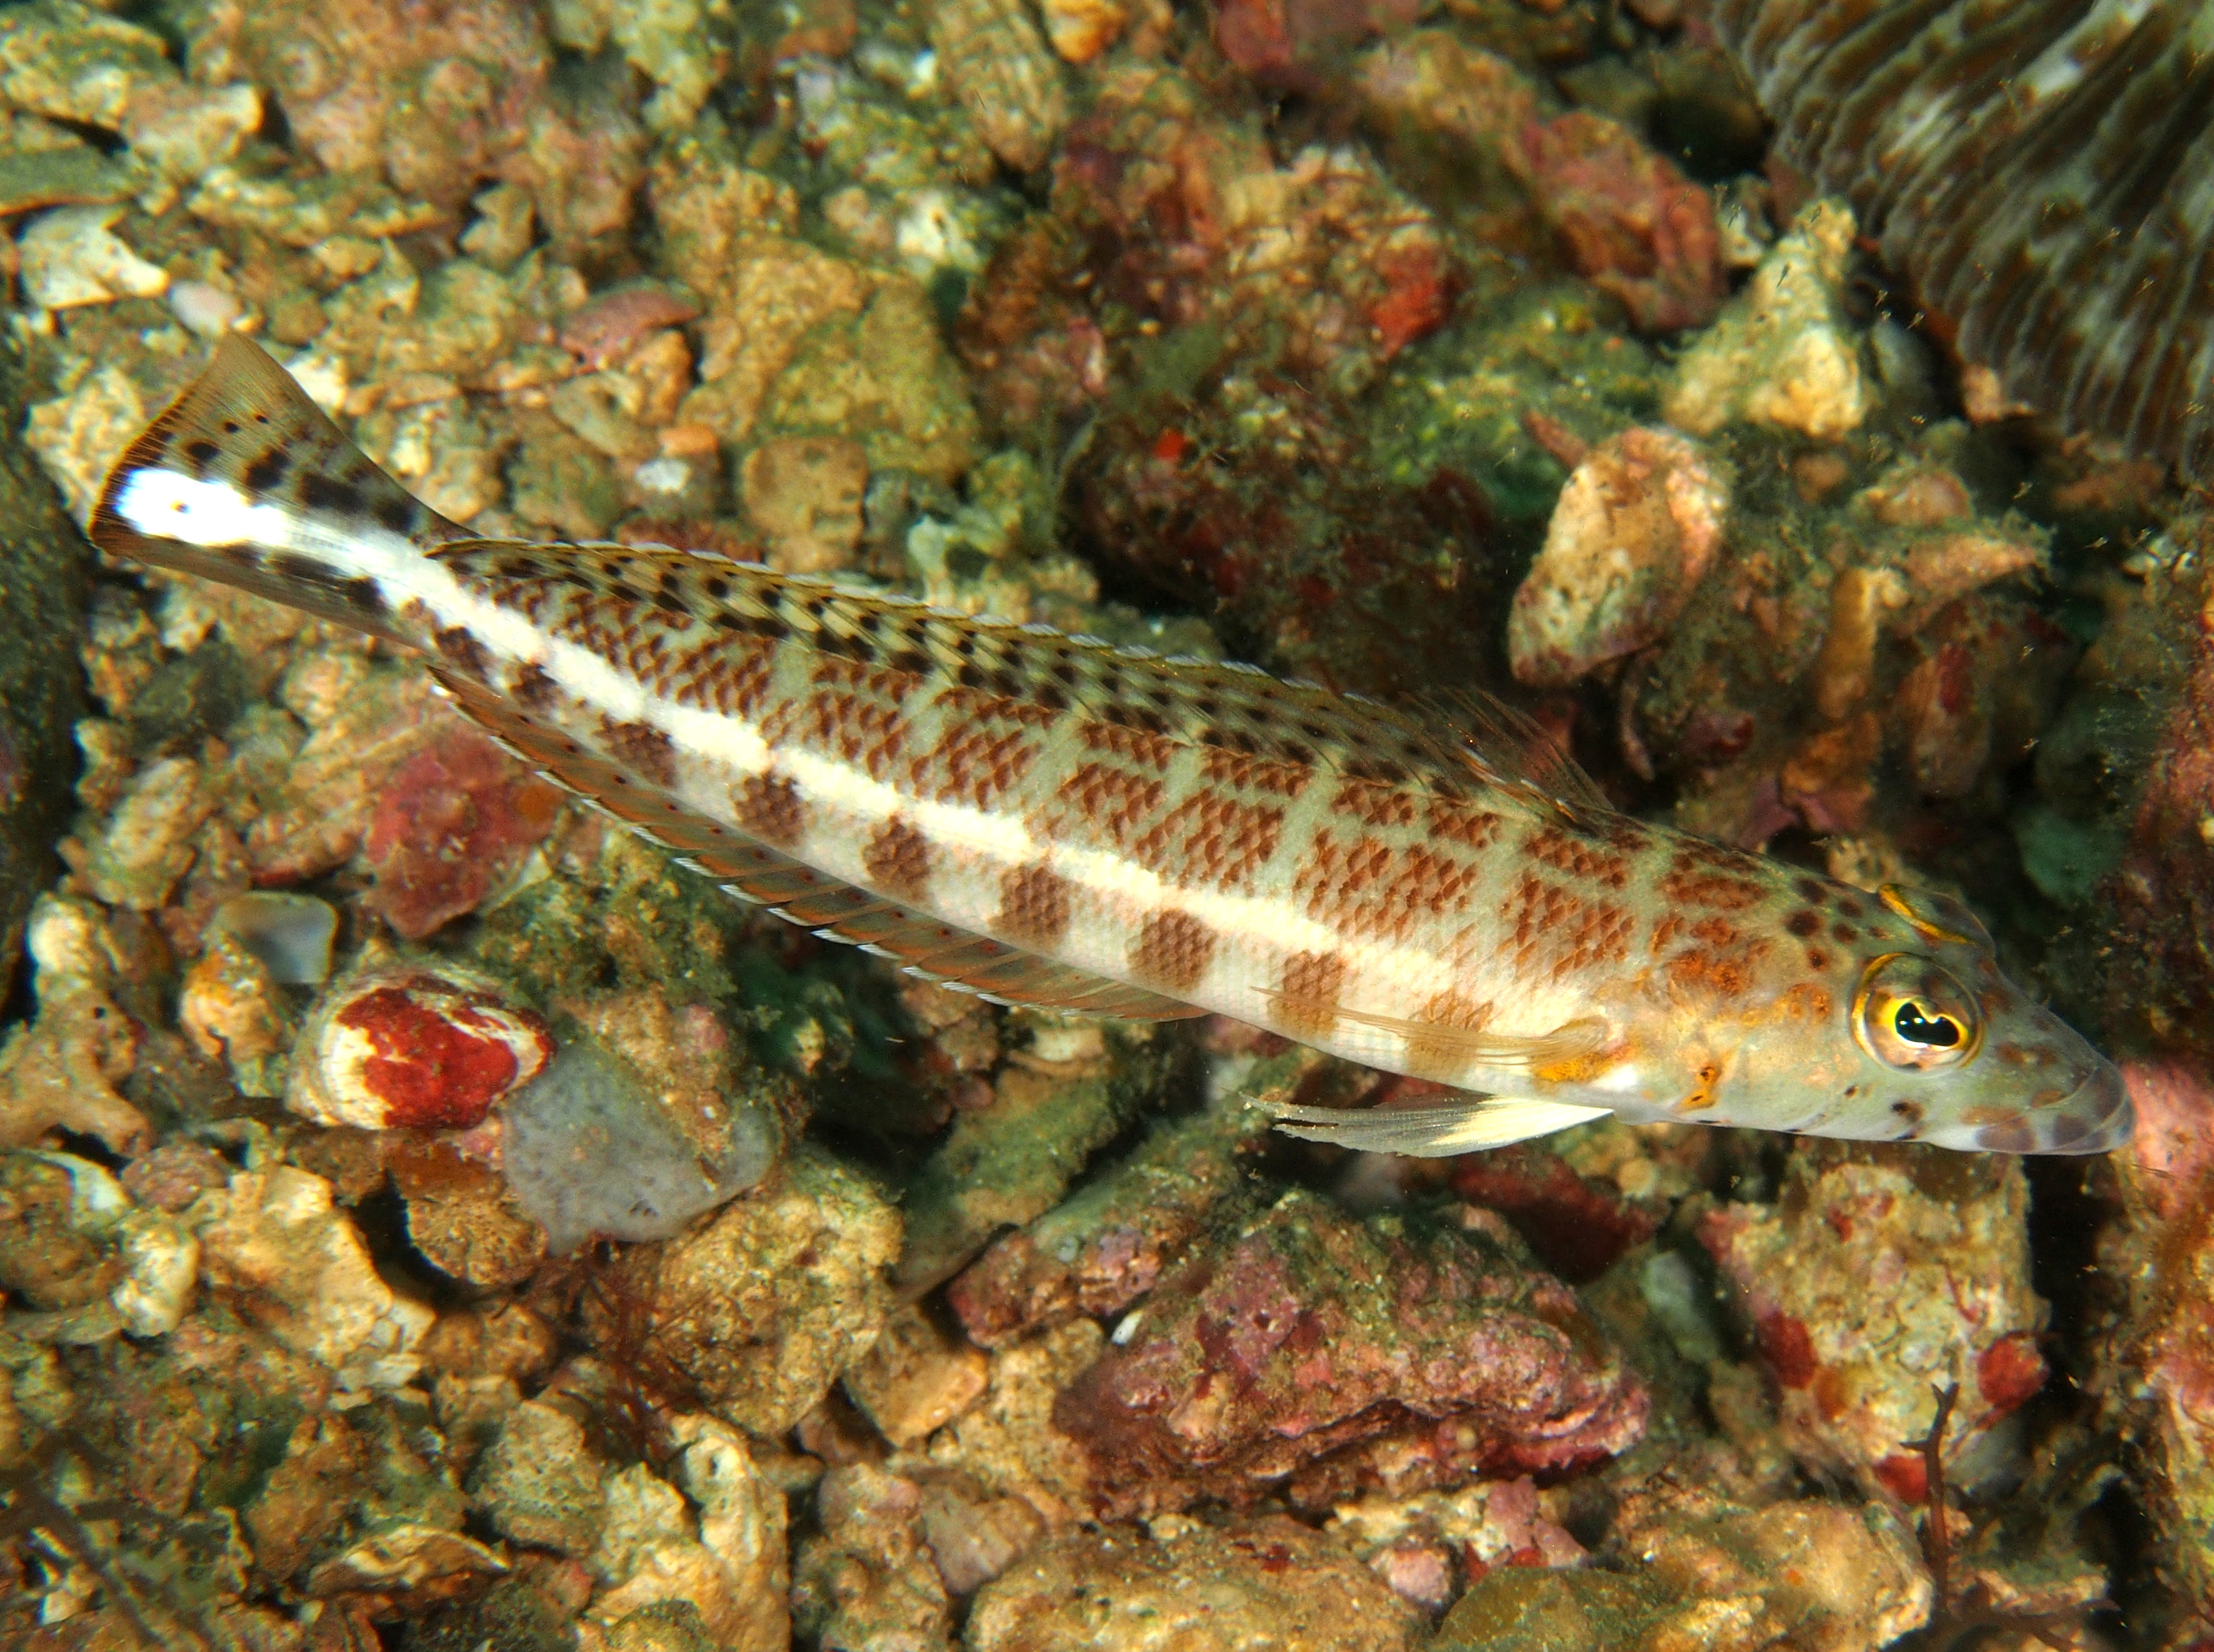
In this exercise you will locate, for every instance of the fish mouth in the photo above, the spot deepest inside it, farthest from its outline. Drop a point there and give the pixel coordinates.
(2096, 1117)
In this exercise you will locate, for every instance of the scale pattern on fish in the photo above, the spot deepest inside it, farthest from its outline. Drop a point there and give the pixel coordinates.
(1051, 819)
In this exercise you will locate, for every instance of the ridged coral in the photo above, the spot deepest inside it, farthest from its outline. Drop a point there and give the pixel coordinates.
(2041, 171)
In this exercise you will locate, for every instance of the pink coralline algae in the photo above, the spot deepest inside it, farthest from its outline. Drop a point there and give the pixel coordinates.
(1578, 1224)
(1628, 221)
(612, 322)
(410, 1050)
(1881, 1276)
(1320, 265)
(453, 823)
(1317, 1354)
(440, 95)
(2156, 1383)
(1290, 42)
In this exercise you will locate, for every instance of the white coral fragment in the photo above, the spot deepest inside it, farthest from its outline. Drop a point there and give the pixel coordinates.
(273, 1235)
(70, 258)
(1781, 353)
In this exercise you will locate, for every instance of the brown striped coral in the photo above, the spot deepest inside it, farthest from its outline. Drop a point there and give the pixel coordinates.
(2039, 171)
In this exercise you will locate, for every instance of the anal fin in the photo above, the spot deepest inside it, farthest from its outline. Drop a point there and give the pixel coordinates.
(1436, 1131)
(798, 892)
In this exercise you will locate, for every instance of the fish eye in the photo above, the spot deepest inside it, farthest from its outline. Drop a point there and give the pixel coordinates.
(1916, 1022)
(1908, 1012)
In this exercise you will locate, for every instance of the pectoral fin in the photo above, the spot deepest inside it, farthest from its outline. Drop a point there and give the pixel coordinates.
(1570, 1042)
(1437, 1131)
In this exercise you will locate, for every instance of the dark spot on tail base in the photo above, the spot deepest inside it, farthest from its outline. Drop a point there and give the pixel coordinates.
(321, 493)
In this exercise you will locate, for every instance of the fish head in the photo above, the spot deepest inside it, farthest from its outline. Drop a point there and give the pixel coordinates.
(1991, 1068)
(1919, 1035)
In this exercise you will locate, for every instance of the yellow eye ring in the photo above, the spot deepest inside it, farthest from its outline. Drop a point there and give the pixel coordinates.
(1907, 1012)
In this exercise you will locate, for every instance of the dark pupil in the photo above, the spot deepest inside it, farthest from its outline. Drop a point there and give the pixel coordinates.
(1911, 1025)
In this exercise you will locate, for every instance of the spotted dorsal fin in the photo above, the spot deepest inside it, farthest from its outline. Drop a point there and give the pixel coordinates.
(798, 893)
(1443, 746)
(1509, 748)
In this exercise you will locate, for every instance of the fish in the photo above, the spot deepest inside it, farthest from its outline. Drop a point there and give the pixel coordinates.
(1050, 820)
(2041, 173)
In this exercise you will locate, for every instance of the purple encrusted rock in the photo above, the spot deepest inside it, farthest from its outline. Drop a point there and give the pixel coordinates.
(1323, 1355)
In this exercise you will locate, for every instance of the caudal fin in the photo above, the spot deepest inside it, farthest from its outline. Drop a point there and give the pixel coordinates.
(242, 478)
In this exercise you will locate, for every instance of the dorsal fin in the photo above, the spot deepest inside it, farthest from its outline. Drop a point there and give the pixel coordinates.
(1230, 708)
(830, 907)
(1509, 747)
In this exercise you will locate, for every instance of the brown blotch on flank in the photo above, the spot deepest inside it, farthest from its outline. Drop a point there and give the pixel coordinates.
(1713, 931)
(1212, 838)
(1173, 951)
(897, 860)
(1817, 958)
(1034, 906)
(1310, 986)
(1803, 923)
(531, 688)
(974, 764)
(463, 652)
(1599, 936)
(1448, 1011)
(966, 705)
(1369, 887)
(1463, 823)
(1844, 933)
(1810, 890)
(719, 679)
(769, 807)
(642, 749)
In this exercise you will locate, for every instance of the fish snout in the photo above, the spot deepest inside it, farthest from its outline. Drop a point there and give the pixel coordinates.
(2097, 1115)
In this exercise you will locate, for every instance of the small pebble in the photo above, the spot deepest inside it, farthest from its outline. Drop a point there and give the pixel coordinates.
(290, 934)
(587, 1151)
(205, 308)
(70, 258)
